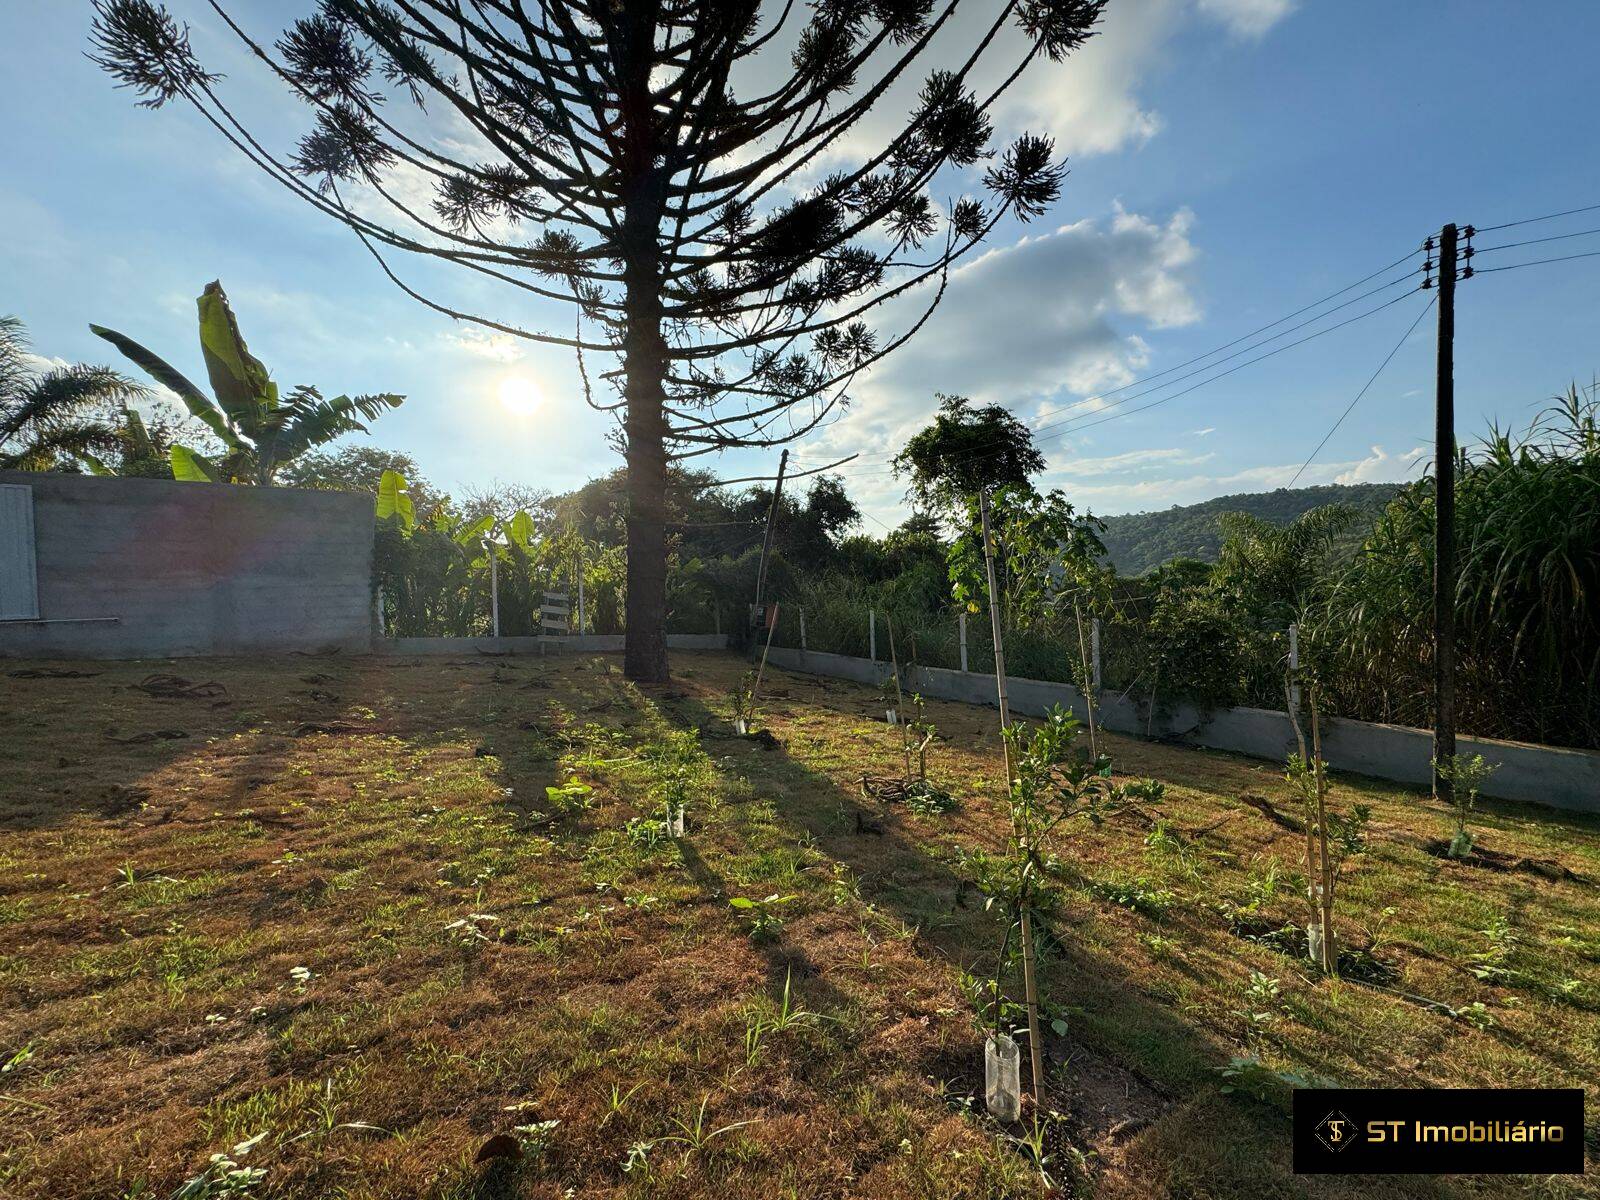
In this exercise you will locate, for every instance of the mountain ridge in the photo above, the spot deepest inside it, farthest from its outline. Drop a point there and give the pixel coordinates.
(1139, 542)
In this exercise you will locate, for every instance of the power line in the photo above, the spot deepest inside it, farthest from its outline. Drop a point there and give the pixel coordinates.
(1037, 430)
(1248, 362)
(1349, 408)
(1530, 220)
(1210, 379)
(1555, 237)
(1217, 349)
(1537, 262)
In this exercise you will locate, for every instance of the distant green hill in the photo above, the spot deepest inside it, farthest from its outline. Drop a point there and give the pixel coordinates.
(1138, 542)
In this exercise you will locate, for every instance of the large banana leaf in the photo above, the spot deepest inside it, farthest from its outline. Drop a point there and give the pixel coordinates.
(521, 531)
(196, 401)
(238, 378)
(393, 501)
(469, 534)
(189, 467)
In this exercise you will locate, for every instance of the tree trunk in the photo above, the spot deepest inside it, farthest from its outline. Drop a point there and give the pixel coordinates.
(644, 655)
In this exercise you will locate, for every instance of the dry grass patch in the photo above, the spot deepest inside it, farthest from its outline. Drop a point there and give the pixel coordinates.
(342, 915)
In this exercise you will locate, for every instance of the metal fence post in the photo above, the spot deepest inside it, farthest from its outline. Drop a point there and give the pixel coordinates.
(802, 631)
(1094, 656)
(872, 635)
(494, 587)
(961, 622)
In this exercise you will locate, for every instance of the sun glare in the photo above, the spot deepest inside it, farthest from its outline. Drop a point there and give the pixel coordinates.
(520, 395)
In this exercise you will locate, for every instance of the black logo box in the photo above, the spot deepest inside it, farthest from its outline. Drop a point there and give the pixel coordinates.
(1438, 1131)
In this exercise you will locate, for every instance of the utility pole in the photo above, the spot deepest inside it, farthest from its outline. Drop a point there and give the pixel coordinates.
(772, 516)
(1444, 526)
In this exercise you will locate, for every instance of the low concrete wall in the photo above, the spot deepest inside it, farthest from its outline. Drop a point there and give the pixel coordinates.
(1552, 775)
(151, 568)
(588, 643)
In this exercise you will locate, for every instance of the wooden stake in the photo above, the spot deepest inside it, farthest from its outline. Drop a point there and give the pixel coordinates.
(899, 696)
(755, 688)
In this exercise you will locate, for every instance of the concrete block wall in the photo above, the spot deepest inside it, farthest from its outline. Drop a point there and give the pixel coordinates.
(151, 568)
(1551, 775)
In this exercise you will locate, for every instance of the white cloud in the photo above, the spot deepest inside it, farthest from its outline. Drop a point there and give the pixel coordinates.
(1090, 103)
(1380, 465)
(1023, 321)
(1247, 18)
(1039, 326)
(1126, 462)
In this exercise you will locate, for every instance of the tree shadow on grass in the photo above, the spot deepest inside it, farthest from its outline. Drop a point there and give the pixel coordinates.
(1120, 1036)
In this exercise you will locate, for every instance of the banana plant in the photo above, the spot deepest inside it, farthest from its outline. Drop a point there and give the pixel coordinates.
(260, 430)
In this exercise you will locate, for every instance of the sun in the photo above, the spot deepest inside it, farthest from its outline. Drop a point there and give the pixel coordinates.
(520, 395)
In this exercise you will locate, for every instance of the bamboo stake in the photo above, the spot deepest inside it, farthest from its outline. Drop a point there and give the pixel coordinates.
(1088, 681)
(899, 695)
(755, 688)
(1330, 953)
(1029, 985)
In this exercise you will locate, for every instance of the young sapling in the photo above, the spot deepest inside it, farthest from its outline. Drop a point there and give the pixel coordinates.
(1469, 776)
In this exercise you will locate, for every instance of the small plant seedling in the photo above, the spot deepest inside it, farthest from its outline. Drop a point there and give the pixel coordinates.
(534, 1139)
(742, 697)
(1151, 791)
(617, 1101)
(693, 1136)
(1261, 1004)
(223, 1175)
(765, 922)
(889, 697)
(1054, 783)
(572, 796)
(1247, 1075)
(1468, 775)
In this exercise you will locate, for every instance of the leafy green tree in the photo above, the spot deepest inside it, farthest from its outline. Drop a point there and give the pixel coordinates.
(260, 431)
(359, 469)
(964, 451)
(57, 418)
(1047, 552)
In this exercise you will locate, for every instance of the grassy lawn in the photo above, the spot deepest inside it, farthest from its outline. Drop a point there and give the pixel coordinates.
(341, 914)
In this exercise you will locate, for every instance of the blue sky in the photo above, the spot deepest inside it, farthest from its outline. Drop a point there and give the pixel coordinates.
(1231, 161)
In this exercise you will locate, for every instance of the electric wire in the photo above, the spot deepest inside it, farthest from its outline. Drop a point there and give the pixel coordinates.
(1349, 408)
(1554, 237)
(1090, 424)
(1530, 220)
(1248, 362)
(1226, 345)
(1536, 262)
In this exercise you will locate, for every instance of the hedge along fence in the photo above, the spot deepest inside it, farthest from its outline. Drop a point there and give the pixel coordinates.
(1204, 668)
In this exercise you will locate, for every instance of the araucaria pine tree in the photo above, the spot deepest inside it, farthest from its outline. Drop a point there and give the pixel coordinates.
(696, 180)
